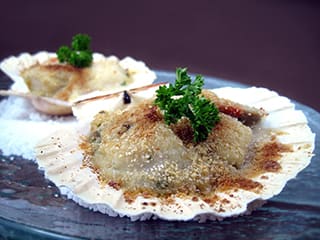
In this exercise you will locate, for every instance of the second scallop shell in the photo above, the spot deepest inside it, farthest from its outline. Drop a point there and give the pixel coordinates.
(105, 75)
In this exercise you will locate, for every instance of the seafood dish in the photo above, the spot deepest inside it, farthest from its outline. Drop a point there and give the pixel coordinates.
(52, 86)
(122, 158)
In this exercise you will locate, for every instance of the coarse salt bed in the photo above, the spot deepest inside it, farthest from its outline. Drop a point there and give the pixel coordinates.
(22, 127)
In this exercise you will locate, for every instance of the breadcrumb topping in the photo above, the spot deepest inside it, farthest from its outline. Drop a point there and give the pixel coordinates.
(136, 151)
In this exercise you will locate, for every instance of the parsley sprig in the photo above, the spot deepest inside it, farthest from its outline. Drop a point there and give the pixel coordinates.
(79, 55)
(183, 99)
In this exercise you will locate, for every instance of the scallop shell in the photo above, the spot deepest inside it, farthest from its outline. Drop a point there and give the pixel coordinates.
(12, 66)
(61, 159)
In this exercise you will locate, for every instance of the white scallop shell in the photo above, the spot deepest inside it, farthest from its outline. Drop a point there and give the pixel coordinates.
(12, 66)
(61, 159)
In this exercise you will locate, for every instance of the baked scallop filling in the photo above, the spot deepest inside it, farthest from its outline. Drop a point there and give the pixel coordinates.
(136, 151)
(66, 82)
(73, 72)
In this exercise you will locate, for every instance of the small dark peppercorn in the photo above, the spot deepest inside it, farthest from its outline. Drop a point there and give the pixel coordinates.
(126, 98)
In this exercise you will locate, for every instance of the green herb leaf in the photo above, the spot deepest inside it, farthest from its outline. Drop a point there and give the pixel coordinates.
(80, 42)
(64, 53)
(79, 55)
(80, 58)
(183, 99)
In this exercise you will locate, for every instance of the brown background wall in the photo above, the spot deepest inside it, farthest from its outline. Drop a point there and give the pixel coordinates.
(270, 43)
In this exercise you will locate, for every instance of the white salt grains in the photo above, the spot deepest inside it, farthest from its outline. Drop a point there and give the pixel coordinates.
(22, 127)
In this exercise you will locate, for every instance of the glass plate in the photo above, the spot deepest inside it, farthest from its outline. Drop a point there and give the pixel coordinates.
(32, 208)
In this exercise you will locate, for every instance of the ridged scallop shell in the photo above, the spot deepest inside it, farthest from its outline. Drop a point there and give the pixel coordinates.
(12, 66)
(61, 159)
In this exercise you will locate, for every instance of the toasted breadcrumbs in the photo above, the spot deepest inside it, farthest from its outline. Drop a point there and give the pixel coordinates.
(136, 151)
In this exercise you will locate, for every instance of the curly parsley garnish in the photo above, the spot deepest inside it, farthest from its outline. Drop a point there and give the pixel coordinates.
(79, 55)
(183, 99)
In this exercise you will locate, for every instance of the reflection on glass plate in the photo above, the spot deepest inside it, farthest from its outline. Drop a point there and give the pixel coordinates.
(31, 206)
